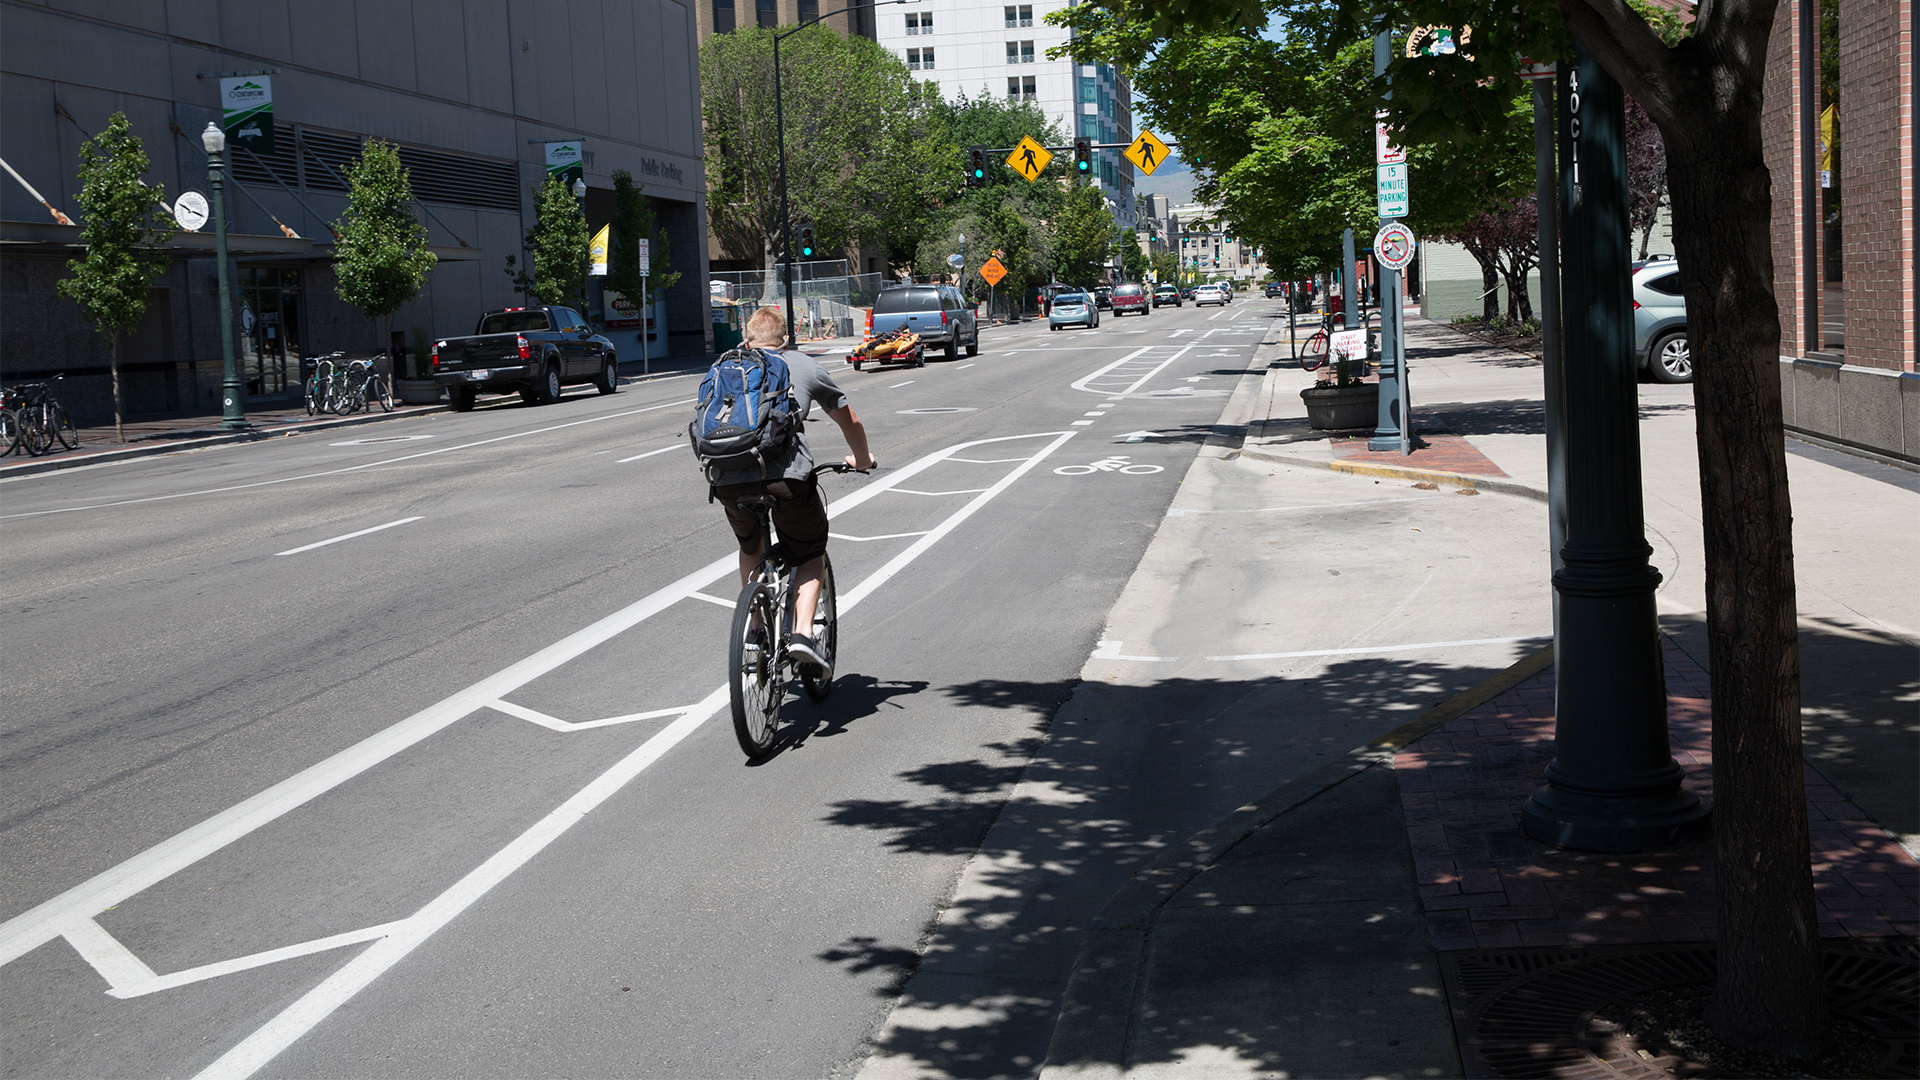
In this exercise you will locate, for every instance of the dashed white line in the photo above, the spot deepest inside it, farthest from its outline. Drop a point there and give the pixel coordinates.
(897, 386)
(349, 536)
(650, 453)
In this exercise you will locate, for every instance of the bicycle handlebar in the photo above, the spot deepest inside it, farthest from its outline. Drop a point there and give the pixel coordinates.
(836, 466)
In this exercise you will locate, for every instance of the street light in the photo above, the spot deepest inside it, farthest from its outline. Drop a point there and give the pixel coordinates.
(780, 127)
(580, 197)
(232, 418)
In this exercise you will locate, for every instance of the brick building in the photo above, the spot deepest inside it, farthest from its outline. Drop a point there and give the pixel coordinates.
(1840, 111)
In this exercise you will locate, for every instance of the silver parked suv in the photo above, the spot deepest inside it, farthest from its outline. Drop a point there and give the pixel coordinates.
(1660, 320)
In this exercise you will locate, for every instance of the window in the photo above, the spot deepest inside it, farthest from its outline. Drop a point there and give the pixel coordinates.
(1013, 88)
(1018, 16)
(809, 10)
(1026, 88)
(921, 23)
(1088, 90)
(723, 16)
(1013, 52)
(1026, 52)
(767, 12)
(918, 59)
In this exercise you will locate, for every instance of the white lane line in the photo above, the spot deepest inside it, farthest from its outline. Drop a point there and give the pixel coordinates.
(554, 723)
(1172, 512)
(346, 469)
(959, 491)
(711, 599)
(1369, 651)
(1093, 414)
(1083, 423)
(963, 367)
(1081, 384)
(898, 385)
(156, 983)
(868, 539)
(54, 917)
(322, 1001)
(650, 453)
(349, 536)
(114, 961)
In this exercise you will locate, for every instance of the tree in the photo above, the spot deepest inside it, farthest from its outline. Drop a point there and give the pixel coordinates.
(380, 256)
(125, 227)
(867, 149)
(1133, 261)
(1082, 236)
(556, 247)
(632, 220)
(1704, 92)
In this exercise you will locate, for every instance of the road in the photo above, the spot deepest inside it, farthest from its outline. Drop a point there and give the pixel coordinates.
(479, 728)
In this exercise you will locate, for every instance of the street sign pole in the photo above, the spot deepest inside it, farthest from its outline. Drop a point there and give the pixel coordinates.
(1394, 429)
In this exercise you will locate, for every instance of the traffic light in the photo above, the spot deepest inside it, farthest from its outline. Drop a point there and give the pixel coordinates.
(978, 172)
(806, 241)
(1083, 156)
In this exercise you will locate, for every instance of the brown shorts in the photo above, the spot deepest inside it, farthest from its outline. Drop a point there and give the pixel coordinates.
(799, 517)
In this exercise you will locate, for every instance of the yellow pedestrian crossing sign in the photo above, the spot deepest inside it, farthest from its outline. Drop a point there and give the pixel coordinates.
(1029, 159)
(1147, 152)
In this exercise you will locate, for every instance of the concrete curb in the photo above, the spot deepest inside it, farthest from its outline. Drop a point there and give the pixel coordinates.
(54, 463)
(1504, 486)
(1095, 1020)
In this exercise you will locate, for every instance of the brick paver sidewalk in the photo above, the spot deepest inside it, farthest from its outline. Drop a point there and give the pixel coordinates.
(1485, 885)
(1435, 447)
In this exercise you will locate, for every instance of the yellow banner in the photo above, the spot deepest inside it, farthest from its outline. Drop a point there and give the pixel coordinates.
(597, 252)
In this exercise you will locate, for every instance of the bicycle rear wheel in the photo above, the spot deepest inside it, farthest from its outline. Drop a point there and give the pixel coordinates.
(9, 431)
(62, 426)
(826, 636)
(386, 394)
(33, 432)
(1314, 356)
(754, 685)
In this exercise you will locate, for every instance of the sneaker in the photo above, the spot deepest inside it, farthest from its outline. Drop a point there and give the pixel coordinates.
(802, 650)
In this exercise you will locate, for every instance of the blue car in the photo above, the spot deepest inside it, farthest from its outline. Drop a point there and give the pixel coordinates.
(1073, 309)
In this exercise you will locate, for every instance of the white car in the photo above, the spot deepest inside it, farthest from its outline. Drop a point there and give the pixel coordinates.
(1210, 294)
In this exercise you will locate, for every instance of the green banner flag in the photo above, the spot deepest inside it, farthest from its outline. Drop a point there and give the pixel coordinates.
(246, 111)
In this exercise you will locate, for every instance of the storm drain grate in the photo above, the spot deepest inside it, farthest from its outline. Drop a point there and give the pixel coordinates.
(1563, 1013)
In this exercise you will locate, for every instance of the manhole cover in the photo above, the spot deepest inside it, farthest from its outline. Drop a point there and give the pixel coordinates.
(1562, 1013)
(923, 412)
(381, 439)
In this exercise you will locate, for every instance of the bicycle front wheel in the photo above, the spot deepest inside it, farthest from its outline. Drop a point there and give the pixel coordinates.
(754, 682)
(33, 433)
(386, 395)
(62, 426)
(818, 681)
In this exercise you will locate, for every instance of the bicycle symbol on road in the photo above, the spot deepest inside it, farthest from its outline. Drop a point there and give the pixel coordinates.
(1117, 463)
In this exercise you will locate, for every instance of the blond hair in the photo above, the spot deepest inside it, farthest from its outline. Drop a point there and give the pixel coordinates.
(767, 326)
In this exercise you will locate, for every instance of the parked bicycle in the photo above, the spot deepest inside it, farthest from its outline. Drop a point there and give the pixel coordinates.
(1318, 348)
(757, 658)
(38, 420)
(343, 386)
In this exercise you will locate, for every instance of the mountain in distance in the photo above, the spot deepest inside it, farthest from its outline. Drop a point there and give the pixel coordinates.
(1174, 179)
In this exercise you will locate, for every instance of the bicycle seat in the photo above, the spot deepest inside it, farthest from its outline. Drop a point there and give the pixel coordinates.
(756, 502)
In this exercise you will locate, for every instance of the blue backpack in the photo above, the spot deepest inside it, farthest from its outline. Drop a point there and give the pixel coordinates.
(745, 412)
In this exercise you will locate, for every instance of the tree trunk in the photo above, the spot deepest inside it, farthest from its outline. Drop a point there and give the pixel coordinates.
(1770, 993)
(1489, 277)
(113, 368)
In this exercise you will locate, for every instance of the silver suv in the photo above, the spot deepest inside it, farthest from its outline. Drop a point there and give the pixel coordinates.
(1660, 321)
(938, 313)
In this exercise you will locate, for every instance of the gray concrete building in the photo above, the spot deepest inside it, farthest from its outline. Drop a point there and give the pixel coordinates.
(469, 90)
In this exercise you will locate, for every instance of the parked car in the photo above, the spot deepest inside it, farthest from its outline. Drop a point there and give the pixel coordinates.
(535, 350)
(1103, 296)
(1660, 321)
(938, 313)
(1166, 294)
(1209, 294)
(1073, 309)
(1275, 290)
(1128, 298)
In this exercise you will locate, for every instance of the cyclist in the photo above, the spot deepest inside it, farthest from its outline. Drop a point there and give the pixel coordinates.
(800, 515)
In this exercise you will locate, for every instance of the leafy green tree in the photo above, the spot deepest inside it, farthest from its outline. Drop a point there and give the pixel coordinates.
(125, 228)
(632, 220)
(1082, 236)
(380, 256)
(1133, 262)
(1166, 267)
(867, 146)
(556, 248)
(1705, 93)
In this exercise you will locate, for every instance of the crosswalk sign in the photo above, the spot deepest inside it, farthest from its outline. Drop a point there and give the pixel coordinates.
(1029, 158)
(1147, 152)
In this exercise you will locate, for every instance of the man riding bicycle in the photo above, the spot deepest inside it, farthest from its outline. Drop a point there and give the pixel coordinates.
(800, 516)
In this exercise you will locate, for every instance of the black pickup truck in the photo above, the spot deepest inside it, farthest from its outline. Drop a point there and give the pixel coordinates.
(535, 350)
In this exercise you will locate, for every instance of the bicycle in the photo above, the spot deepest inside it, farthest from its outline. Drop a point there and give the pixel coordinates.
(320, 384)
(1318, 349)
(758, 664)
(39, 419)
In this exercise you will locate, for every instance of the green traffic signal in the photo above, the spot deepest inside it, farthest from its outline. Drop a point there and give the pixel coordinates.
(1083, 156)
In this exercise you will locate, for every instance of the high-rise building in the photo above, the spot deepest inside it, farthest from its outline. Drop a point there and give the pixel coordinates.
(977, 47)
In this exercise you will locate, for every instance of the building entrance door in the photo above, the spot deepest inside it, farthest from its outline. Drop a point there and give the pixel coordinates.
(270, 321)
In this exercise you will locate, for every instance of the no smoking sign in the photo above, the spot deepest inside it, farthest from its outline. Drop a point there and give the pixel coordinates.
(1393, 245)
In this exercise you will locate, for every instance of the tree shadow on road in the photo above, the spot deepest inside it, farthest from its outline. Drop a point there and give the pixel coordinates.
(1121, 774)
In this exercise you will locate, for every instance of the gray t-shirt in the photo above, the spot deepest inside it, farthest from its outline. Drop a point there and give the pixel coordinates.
(811, 385)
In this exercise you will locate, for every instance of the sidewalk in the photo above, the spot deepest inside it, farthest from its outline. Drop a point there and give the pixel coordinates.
(1385, 916)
